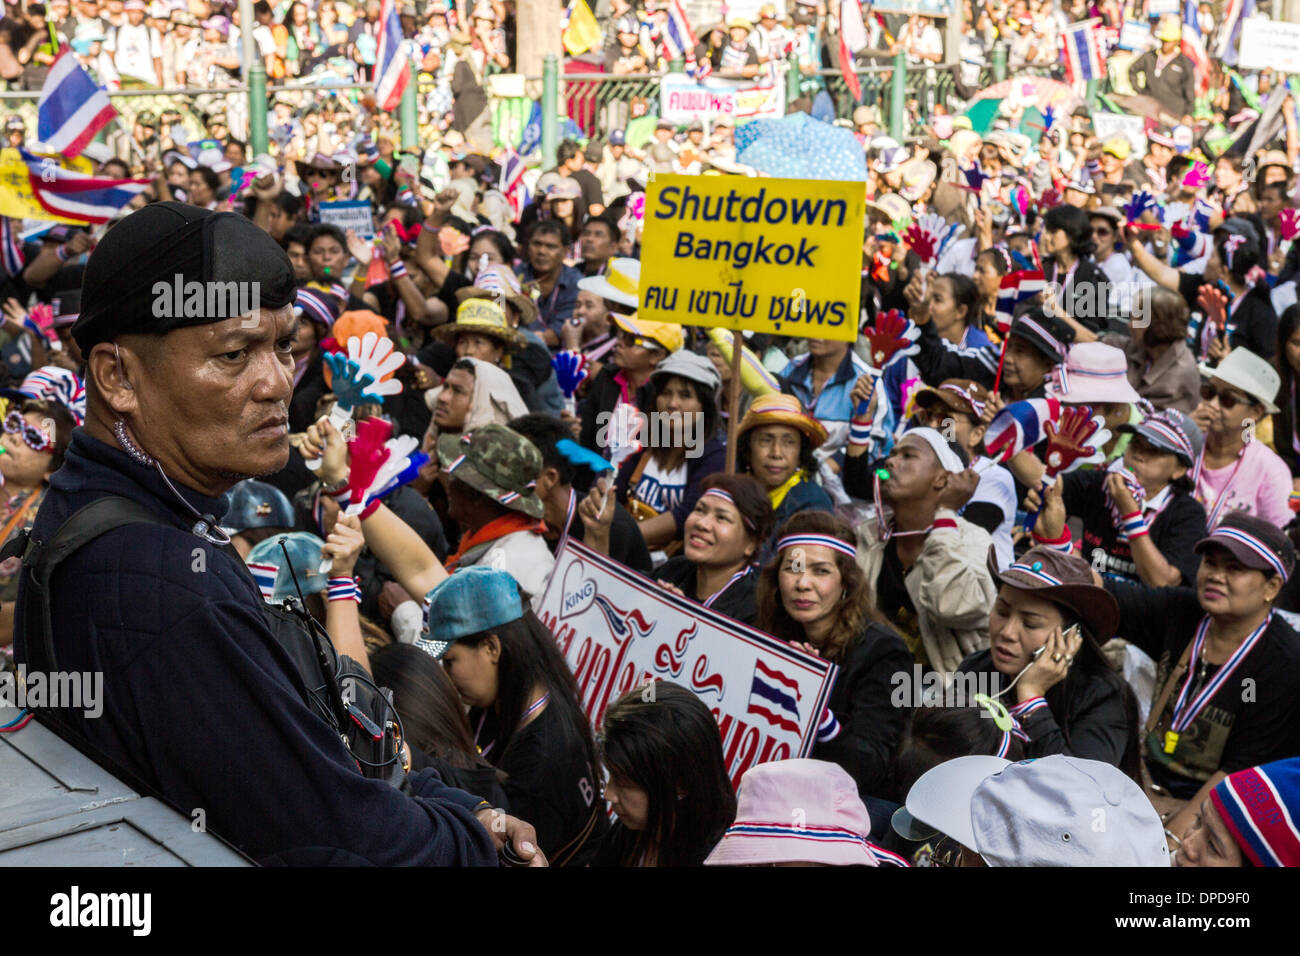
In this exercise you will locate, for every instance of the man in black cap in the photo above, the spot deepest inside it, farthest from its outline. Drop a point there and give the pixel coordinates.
(202, 702)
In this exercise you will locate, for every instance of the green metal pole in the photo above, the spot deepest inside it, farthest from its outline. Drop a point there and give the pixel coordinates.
(792, 80)
(1091, 95)
(408, 113)
(256, 77)
(550, 104)
(999, 62)
(898, 96)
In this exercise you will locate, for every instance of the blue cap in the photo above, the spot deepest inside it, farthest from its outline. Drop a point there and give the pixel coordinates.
(255, 504)
(618, 138)
(276, 578)
(471, 601)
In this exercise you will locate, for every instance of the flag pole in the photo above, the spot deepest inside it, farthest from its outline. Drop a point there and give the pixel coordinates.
(733, 399)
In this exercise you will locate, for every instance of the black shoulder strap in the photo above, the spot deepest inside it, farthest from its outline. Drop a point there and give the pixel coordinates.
(41, 559)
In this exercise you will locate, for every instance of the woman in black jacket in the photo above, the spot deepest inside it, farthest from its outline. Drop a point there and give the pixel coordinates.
(1082, 286)
(814, 595)
(1045, 664)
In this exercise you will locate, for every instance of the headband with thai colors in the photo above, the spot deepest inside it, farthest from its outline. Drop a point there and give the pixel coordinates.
(719, 493)
(1046, 336)
(1252, 542)
(816, 540)
(1035, 571)
(967, 395)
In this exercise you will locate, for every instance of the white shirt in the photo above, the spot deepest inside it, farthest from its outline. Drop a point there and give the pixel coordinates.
(134, 50)
(997, 488)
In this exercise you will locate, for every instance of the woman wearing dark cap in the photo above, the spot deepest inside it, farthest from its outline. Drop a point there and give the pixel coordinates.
(814, 595)
(1044, 662)
(1036, 343)
(775, 443)
(722, 538)
(1227, 666)
(667, 778)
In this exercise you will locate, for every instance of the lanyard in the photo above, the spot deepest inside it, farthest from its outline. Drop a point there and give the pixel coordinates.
(568, 520)
(886, 528)
(522, 720)
(1222, 500)
(734, 578)
(1185, 710)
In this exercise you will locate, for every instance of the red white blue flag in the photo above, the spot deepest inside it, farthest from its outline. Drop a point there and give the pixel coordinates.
(67, 194)
(774, 697)
(73, 107)
(392, 66)
(1083, 59)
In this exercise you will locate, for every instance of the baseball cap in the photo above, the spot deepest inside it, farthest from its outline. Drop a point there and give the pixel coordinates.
(1173, 431)
(496, 462)
(471, 601)
(255, 504)
(688, 365)
(278, 579)
(1118, 146)
(1255, 542)
(667, 336)
(1244, 370)
(618, 138)
(1047, 333)
(1054, 811)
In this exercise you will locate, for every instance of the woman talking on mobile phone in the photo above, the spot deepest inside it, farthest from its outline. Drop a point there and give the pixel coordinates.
(1044, 662)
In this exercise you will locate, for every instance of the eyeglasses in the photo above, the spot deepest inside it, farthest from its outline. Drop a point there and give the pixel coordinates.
(36, 438)
(1228, 400)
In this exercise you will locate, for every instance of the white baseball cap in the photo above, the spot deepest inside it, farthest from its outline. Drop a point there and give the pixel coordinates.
(1054, 811)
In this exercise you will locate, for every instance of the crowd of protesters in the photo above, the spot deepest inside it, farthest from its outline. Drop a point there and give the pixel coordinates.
(1135, 620)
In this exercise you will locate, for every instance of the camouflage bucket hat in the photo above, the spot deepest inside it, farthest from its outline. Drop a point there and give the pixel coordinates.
(496, 461)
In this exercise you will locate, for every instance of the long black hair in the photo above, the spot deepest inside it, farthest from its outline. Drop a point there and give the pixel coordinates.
(935, 735)
(1077, 225)
(530, 658)
(663, 739)
(426, 700)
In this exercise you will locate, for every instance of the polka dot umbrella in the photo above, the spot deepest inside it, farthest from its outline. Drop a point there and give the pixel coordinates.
(800, 147)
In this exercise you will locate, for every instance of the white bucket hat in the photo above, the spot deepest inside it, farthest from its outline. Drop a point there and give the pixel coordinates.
(1245, 370)
(619, 283)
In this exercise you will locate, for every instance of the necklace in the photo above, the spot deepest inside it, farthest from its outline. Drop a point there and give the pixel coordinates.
(206, 526)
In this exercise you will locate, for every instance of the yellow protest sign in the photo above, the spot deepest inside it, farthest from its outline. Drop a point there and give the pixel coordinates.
(16, 198)
(762, 255)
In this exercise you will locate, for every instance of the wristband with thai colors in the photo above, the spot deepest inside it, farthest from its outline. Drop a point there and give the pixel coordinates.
(1133, 526)
(397, 270)
(1026, 707)
(860, 433)
(345, 589)
(829, 728)
(1062, 544)
(63, 253)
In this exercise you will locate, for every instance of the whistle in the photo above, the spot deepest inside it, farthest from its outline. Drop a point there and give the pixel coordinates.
(882, 474)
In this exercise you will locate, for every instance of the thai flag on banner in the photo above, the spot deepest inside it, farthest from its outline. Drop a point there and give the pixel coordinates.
(512, 181)
(1017, 287)
(73, 107)
(774, 697)
(392, 67)
(71, 195)
(1229, 43)
(1083, 59)
(11, 249)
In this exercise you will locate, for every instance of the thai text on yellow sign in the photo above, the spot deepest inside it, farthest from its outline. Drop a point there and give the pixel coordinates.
(762, 255)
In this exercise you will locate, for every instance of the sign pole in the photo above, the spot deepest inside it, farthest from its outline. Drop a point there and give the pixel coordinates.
(733, 399)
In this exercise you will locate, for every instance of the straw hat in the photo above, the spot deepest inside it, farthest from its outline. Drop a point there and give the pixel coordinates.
(481, 316)
(779, 409)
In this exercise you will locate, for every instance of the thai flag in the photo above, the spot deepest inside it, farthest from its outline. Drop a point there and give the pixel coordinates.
(392, 67)
(853, 37)
(1194, 48)
(677, 39)
(72, 195)
(1234, 14)
(775, 698)
(1190, 20)
(1018, 426)
(1017, 287)
(73, 107)
(265, 575)
(11, 249)
(1083, 60)
(512, 181)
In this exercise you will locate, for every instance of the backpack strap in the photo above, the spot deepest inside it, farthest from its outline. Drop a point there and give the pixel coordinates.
(42, 558)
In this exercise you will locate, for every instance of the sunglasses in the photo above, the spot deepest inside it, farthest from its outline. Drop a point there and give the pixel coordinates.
(1228, 400)
(37, 440)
